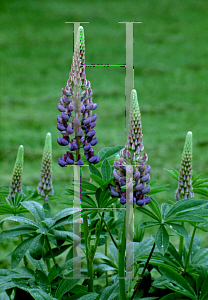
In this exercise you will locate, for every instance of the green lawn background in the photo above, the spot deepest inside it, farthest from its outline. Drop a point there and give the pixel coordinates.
(170, 68)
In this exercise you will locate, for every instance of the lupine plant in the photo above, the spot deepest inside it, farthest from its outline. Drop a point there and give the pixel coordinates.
(168, 262)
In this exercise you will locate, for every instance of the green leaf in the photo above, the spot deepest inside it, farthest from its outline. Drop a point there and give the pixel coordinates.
(38, 264)
(97, 179)
(42, 281)
(95, 170)
(111, 151)
(106, 170)
(200, 181)
(38, 294)
(22, 220)
(114, 252)
(178, 280)
(172, 173)
(110, 292)
(89, 296)
(64, 213)
(20, 251)
(89, 186)
(172, 250)
(165, 207)
(155, 207)
(178, 229)
(36, 247)
(158, 189)
(186, 205)
(148, 224)
(201, 191)
(185, 217)
(142, 248)
(172, 296)
(162, 239)
(195, 178)
(15, 231)
(36, 209)
(201, 257)
(204, 290)
(65, 286)
(148, 213)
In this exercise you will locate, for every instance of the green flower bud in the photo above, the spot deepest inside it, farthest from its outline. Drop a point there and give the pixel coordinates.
(185, 189)
(45, 187)
(16, 182)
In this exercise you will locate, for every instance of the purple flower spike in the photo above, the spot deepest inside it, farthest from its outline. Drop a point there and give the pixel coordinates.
(145, 178)
(61, 162)
(139, 187)
(76, 105)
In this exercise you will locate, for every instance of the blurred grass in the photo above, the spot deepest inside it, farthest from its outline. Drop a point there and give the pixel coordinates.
(170, 67)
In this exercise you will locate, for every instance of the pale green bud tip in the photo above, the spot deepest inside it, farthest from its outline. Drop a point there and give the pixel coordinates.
(20, 157)
(80, 34)
(188, 143)
(48, 144)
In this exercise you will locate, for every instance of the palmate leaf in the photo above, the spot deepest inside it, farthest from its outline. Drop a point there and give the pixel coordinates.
(65, 286)
(20, 251)
(16, 231)
(180, 283)
(185, 206)
(42, 281)
(38, 294)
(155, 207)
(36, 209)
(158, 189)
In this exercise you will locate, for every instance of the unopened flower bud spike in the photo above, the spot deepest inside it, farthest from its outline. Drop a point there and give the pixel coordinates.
(16, 182)
(185, 189)
(45, 187)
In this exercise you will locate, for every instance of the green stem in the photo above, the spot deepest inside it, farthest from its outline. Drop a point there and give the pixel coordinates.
(49, 247)
(181, 243)
(106, 254)
(89, 262)
(189, 251)
(121, 264)
(142, 274)
(109, 231)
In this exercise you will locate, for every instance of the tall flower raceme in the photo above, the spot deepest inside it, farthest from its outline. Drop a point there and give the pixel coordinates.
(185, 189)
(45, 187)
(131, 155)
(76, 108)
(16, 182)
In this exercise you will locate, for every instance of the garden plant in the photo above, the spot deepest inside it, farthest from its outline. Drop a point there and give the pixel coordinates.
(169, 264)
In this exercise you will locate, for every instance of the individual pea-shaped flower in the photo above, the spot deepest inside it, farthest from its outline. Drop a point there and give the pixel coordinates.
(45, 187)
(185, 189)
(131, 155)
(16, 182)
(76, 108)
